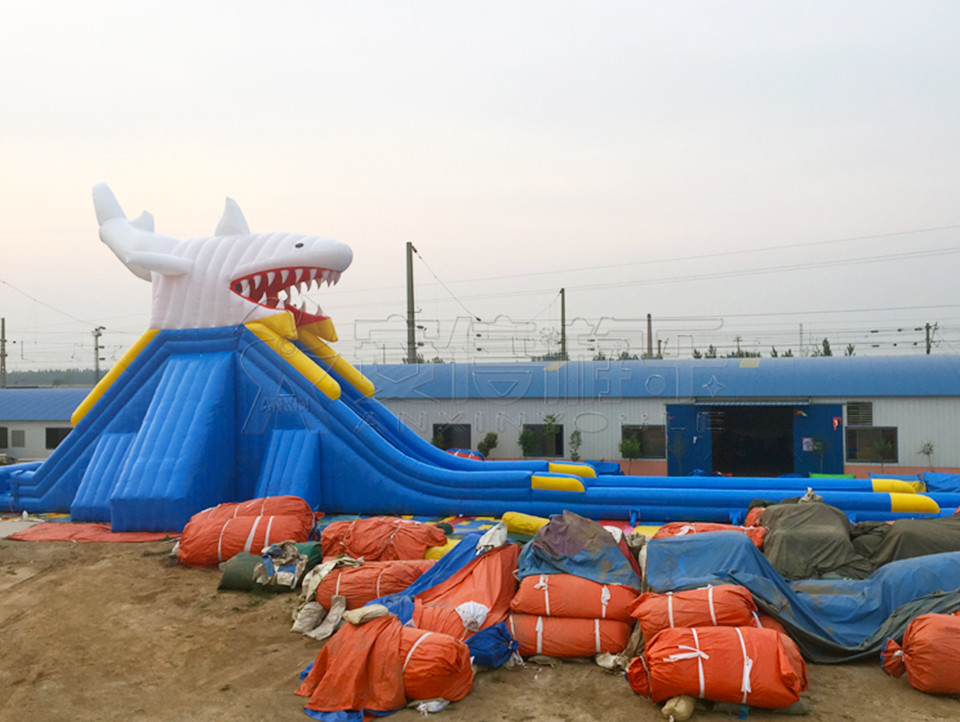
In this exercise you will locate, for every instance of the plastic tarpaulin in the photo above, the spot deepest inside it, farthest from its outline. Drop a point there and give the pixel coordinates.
(371, 580)
(726, 605)
(831, 620)
(930, 654)
(566, 595)
(83, 532)
(572, 544)
(380, 538)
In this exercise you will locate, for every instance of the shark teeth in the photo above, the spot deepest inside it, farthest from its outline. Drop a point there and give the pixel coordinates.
(286, 289)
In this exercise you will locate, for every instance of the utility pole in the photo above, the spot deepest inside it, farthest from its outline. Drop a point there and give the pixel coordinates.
(97, 332)
(649, 336)
(411, 327)
(3, 353)
(930, 331)
(563, 324)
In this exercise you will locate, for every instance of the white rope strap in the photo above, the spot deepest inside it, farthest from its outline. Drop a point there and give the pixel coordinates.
(544, 584)
(756, 619)
(513, 629)
(596, 634)
(539, 635)
(220, 541)
(378, 582)
(412, 650)
(339, 577)
(253, 530)
(670, 608)
(604, 601)
(693, 652)
(713, 612)
(266, 539)
(747, 668)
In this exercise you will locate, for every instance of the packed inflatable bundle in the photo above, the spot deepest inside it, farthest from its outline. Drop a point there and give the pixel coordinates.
(434, 665)
(682, 528)
(476, 597)
(568, 637)
(742, 665)
(208, 542)
(370, 581)
(725, 605)
(567, 595)
(929, 654)
(263, 506)
(380, 538)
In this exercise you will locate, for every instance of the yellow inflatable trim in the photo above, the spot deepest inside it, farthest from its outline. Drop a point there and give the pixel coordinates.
(324, 329)
(118, 368)
(582, 470)
(556, 483)
(438, 552)
(913, 503)
(337, 362)
(295, 357)
(900, 486)
(518, 523)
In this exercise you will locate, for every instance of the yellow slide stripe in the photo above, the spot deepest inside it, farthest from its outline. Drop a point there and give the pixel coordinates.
(337, 362)
(913, 503)
(296, 358)
(582, 470)
(118, 368)
(556, 483)
(900, 486)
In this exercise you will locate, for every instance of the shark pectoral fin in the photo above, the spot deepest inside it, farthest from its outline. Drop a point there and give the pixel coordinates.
(162, 263)
(296, 358)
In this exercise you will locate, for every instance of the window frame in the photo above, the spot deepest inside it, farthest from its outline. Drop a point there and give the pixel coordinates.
(852, 446)
(441, 429)
(50, 445)
(540, 451)
(643, 430)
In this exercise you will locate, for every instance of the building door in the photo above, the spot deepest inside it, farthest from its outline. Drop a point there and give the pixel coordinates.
(753, 440)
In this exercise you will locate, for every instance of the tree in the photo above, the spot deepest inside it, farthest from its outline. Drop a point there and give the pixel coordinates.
(576, 439)
(711, 352)
(630, 447)
(600, 356)
(849, 351)
(488, 444)
(627, 356)
(926, 448)
(824, 349)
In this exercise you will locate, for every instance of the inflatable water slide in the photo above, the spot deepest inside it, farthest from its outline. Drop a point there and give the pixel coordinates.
(236, 392)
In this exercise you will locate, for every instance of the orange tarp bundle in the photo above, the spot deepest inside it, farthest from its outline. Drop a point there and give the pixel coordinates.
(263, 506)
(681, 528)
(370, 581)
(742, 665)
(567, 636)
(207, 542)
(488, 580)
(359, 668)
(727, 605)
(930, 654)
(380, 538)
(567, 595)
(435, 665)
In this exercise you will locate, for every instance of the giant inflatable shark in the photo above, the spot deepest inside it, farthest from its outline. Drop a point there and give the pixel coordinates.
(231, 278)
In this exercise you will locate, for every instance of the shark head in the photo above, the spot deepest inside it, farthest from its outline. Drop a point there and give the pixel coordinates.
(230, 278)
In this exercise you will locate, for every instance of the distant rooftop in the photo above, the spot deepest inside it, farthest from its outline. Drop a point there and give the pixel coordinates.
(40, 404)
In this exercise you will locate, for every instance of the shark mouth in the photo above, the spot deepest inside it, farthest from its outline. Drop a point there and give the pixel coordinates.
(285, 289)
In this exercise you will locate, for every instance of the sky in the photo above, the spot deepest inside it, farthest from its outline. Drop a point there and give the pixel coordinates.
(757, 173)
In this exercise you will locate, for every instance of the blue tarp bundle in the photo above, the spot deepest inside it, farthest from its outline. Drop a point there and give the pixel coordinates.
(831, 620)
(572, 544)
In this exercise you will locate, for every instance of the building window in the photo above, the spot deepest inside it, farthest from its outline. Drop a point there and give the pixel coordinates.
(877, 444)
(538, 440)
(56, 434)
(859, 413)
(3, 437)
(643, 442)
(451, 436)
(18, 438)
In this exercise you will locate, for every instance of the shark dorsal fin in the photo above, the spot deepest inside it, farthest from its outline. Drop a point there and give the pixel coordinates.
(144, 222)
(232, 223)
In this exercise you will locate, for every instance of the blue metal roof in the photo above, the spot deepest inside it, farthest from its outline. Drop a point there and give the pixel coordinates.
(39, 404)
(700, 379)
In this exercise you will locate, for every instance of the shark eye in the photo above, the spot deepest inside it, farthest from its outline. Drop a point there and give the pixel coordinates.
(299, 245)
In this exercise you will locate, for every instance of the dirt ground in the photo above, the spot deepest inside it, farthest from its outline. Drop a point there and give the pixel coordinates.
(94, 631)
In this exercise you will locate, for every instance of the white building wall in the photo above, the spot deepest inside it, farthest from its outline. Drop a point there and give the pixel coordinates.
(919, 420)
(35, 439)
(599, 421)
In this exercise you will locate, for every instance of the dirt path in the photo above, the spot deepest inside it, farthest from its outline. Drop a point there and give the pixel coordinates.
(116, 632)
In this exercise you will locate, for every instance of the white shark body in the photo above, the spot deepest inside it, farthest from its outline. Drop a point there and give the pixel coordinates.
(230, 278)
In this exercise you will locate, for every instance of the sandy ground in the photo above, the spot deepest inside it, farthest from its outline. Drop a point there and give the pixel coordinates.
(117, 632)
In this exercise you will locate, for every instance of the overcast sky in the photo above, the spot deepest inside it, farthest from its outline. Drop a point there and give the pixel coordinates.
(732, 168)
